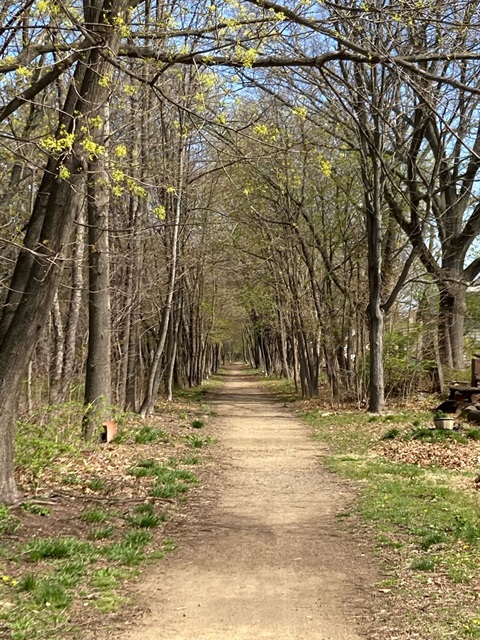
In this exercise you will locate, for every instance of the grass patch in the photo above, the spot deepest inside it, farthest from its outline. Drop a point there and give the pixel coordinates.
(43, 548)
(197, 442)
(168, 483)
(36, 509)
(101, 533)
(391, 434)
(437, 435)
(9, 523)
(423, 564)
(94, 515)
(423, 518)
(147, 435)
(49, 593)
(96, 484)
(144, 517)
(130, 550)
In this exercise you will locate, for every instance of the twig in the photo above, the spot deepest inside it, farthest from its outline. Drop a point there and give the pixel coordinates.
(111, 499)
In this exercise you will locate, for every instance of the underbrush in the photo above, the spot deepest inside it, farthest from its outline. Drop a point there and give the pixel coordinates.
(106, 509)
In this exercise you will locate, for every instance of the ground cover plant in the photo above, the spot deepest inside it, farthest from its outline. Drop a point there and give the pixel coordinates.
(418, 499)
(93, 515)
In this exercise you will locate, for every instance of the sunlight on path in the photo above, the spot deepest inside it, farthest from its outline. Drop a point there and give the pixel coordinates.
(267, 559)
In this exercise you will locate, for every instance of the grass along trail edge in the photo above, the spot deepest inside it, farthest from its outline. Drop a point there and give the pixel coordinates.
(423, 514)
(94, 515)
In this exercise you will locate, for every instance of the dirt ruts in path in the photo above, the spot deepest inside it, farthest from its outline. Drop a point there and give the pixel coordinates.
(266, 558)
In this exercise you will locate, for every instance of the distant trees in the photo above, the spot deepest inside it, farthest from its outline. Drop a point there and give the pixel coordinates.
(153, 211)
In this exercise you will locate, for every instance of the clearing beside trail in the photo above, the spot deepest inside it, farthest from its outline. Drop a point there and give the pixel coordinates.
(266, 555)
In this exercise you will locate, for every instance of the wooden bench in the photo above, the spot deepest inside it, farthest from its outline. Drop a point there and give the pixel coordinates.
(462, 395)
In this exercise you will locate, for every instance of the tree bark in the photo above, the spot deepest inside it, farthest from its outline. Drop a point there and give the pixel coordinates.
(74, 306)
(38, 267)
(154, 377)
(453, 307)
(98, 380)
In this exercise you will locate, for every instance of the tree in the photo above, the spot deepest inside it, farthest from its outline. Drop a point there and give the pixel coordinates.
(38, 266)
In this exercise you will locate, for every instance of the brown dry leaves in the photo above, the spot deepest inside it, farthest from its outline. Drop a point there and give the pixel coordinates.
(450, 455)
(107, 465)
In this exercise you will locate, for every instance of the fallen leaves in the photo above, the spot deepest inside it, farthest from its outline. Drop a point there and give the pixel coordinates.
(449, 455)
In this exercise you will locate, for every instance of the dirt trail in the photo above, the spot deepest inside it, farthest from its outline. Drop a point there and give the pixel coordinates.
(267, 558)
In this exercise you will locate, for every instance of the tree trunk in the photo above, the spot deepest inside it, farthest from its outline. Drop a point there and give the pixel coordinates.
(74, 306)
(154, 377)
(98, 380)
(37, 272)
(58, 351)
(453, 307)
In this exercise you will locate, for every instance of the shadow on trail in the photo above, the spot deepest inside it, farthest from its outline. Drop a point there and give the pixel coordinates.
(239, 398)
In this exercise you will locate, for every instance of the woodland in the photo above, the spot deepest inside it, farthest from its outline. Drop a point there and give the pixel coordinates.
(187, 182)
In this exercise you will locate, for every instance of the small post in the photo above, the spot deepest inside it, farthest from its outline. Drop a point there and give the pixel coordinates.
(109, 430)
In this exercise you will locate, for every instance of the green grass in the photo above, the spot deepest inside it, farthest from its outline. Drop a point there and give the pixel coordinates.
(391, 434)
(169, 482)
(191, 460)
(71, 479)
(141, 472)
(147, 435)
(129, 551)
(436, 435)
(53, 577)
(422, 516)
(44, 548)
(9, 523)
(144, 516)
(49, 593)
(197, 442)
(96, 484)
(425, 563)
(101, 533)
(94, 515)
(36, 509)
(53, 433)
(168, 489)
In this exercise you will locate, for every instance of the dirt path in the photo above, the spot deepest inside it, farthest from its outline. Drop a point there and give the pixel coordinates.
(267, 558)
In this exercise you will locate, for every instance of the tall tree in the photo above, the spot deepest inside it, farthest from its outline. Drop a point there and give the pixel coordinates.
(38, 266)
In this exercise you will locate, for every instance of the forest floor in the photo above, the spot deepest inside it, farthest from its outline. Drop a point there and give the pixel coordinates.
(264, 554)
(287, 519)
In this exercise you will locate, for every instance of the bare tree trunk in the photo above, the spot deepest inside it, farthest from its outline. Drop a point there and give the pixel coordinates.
(374, 310)
(173, 354)
(453, 306)
(154, 377)
(98, 381)
(75, 304)
(58, 351)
